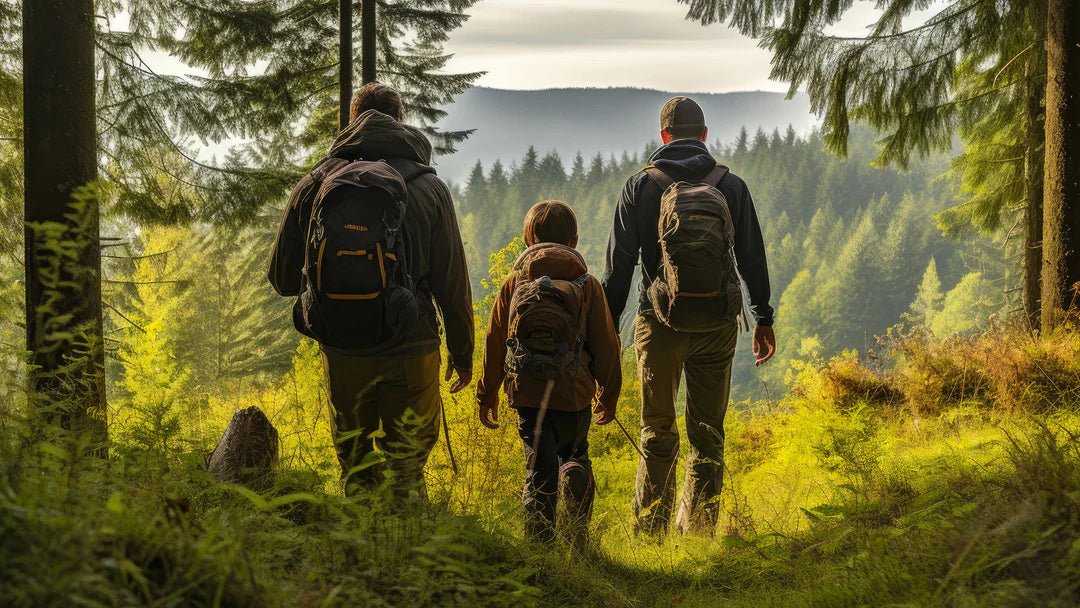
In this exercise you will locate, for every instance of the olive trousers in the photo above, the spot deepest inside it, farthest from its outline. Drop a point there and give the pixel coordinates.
(663, 356)
(384, 418)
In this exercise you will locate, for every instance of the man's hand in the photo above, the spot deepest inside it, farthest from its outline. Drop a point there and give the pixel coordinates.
(764, 344)
(604, 414)
(464, 377)
(489, 416)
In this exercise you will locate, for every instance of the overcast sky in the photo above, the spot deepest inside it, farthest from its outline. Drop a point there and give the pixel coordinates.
(535, 44)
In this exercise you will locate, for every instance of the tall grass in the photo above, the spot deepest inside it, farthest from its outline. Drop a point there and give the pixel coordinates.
(932, 473)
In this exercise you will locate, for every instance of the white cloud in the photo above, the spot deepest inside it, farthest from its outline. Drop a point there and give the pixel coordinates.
(534, 44)
(525, 44)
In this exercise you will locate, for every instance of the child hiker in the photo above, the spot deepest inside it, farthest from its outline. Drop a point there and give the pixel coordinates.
(552, 345)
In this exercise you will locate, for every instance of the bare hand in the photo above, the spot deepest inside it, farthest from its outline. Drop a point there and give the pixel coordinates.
(764, 344)
(464, 377)
(489, 416)
(604, 414)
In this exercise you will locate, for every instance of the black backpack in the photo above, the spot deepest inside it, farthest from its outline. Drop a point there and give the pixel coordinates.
(546, 331)
(355, 292)
(697, 287)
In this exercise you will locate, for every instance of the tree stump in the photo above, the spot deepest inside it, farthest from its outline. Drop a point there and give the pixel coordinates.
(248, 450)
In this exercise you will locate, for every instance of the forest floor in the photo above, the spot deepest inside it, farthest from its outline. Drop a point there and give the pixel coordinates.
(950, 477)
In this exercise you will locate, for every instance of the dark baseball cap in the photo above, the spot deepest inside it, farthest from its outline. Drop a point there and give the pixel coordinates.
(682, 116)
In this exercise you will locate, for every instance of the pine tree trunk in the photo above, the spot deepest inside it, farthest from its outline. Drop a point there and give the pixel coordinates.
(63, 256)
(345, 61)
(1033, 195)
(367, 45)
(1061, 185)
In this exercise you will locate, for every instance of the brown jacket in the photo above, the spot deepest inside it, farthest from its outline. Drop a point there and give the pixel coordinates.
(600, 373)
(436, 256)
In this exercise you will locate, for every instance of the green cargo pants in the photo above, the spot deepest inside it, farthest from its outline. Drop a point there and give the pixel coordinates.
(391, 404)
(663, 355)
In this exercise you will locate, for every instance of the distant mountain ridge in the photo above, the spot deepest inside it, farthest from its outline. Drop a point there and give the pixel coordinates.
(609, 121)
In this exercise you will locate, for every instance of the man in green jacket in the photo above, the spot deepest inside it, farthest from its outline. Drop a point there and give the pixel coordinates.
(388, 398)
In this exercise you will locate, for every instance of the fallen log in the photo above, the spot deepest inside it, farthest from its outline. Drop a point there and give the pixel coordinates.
(248, 450)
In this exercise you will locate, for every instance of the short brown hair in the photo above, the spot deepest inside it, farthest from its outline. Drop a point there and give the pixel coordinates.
(550, 222)
(377, 96)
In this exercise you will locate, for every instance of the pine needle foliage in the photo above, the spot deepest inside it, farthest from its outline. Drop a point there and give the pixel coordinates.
(967, 68)
(258, 78)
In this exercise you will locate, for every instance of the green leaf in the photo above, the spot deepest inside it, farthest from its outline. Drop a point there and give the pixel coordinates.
(288, 499)
(370, 459)
(115, 504)
(257, 501)
(735, 541)
(52, 450)
(814, 517)
(829, 510)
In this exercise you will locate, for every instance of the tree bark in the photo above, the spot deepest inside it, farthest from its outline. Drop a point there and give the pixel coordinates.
(367, 46)
(1033, 195)
(345, 61)
(1061, 179)
(248, 450)
(63, 256)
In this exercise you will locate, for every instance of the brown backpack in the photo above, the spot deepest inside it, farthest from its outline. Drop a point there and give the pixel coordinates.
(546, 333)
(697, 287)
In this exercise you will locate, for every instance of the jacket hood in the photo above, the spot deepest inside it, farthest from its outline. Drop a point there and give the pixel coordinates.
(551, 260)
(683, 159)
(374, 135)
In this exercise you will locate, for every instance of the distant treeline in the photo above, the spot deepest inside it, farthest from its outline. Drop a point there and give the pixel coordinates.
(849, 244)
(852, 248)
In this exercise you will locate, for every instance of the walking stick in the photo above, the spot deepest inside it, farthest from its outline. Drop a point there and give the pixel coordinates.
(446, 431)
(548, 388)
(630, 439)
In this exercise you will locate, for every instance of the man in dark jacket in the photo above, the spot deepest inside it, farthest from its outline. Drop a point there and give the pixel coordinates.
(389, 397)
(664, 353)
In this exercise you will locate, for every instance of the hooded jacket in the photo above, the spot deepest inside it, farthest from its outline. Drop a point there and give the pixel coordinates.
(599, 373)
(436, 255)
(635, 233)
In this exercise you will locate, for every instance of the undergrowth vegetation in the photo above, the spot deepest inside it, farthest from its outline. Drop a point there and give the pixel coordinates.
(929, 472)
(925, 471)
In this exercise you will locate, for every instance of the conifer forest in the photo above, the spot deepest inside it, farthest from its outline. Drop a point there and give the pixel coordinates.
(902, 430)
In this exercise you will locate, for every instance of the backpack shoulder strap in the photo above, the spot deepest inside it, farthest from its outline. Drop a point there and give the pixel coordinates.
(326, 166)
(662, 179)
(716, 176)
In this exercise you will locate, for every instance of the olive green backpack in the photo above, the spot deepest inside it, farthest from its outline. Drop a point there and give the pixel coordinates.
(697, 287)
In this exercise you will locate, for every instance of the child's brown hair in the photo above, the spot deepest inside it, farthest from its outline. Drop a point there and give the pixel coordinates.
(550, 221)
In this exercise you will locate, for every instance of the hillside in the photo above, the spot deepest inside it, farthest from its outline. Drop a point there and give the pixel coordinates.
(609, 121)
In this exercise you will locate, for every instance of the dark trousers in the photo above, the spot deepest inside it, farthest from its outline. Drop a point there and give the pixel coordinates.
(385, 418)
(560, 461)
(663, 356)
